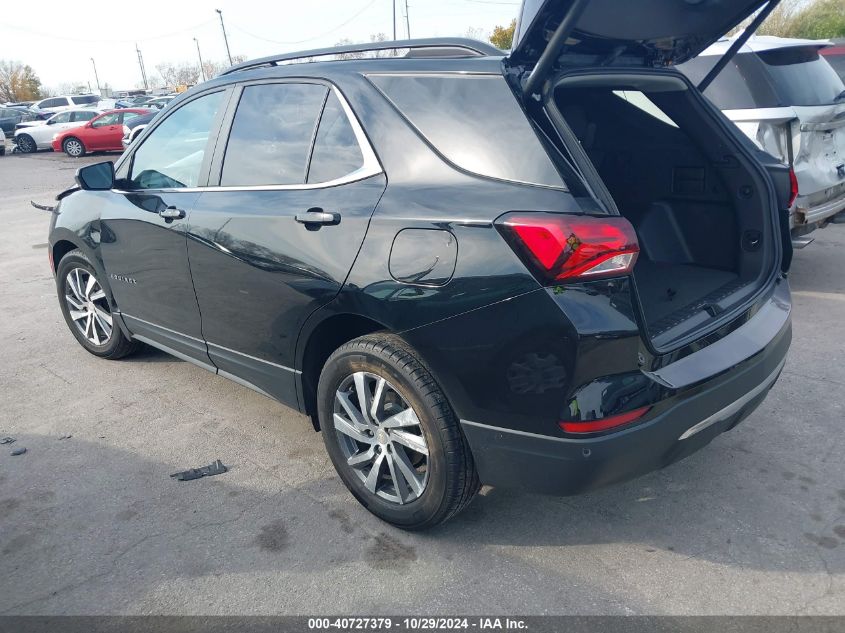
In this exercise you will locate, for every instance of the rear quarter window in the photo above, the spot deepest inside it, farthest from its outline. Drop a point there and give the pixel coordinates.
(474, 122)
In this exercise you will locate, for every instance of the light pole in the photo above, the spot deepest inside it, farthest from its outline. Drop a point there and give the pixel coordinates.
(95, 74)
(407, 20)
(202, 71)
(141, 64)
(393, 2)
(225, 39)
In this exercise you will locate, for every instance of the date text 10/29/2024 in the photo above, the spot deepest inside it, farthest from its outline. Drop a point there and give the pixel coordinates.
(416, 624)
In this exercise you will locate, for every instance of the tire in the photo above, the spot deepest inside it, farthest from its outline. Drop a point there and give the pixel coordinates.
(73, 147)
(445, 480)
(88, 323)
(26, 144)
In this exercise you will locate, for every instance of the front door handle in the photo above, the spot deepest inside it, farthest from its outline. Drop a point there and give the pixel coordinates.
(317, 217)
(172, 213)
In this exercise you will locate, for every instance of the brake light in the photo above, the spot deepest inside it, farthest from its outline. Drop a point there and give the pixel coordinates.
(564, 247)
(605, 424)
(793, 188)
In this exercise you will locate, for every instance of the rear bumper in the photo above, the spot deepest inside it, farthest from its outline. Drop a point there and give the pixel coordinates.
(681, 425)
(819, 213)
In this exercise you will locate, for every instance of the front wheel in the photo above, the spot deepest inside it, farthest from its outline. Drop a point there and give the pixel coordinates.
(392, 435)
(87, 311)
(73, 147)
(26, 144)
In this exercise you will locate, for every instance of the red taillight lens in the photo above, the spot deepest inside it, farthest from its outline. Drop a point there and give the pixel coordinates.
(793, 188)
(605, 424)
(565, 247)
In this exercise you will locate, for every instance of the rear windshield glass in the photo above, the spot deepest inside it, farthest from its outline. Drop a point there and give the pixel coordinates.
(475, 122)
(794, 76)
(802, 76)
(85, 99)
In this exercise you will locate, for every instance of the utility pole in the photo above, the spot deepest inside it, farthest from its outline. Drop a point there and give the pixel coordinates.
(407, 20)
(202, 71)
(141, 64)
(225, 39)
(95, 75)
(393, 2)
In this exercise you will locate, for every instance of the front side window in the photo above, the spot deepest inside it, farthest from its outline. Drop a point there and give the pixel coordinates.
(271, 134)
(336, 150)
(172, 156)
(64, 117)
(112, 118)
(475, 122)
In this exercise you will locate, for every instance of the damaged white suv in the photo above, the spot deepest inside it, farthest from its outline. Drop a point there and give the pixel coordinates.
(788, 99)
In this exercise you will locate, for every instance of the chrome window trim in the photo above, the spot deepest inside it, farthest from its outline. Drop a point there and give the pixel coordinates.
(371, 166)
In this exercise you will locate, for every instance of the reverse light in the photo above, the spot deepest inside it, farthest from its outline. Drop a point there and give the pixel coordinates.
(793, 188)
(605, 424)
(563, 247)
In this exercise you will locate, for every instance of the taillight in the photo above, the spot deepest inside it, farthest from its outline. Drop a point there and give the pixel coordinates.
(605, 424)
(793, 188)
(564, 247)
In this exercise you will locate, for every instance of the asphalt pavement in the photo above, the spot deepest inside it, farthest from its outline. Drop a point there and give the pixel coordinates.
(93, 523)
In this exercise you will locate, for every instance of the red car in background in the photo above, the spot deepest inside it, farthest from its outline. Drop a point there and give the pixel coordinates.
(103, 133)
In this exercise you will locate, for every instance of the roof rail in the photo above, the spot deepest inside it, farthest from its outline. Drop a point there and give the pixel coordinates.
(437, 46)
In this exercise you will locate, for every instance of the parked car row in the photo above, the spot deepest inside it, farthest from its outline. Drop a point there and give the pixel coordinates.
(102, 123)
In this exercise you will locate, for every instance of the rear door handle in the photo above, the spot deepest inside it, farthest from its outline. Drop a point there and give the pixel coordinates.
(318, 217)
(172, 213)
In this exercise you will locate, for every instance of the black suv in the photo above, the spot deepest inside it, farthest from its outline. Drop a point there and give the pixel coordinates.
(553, 270)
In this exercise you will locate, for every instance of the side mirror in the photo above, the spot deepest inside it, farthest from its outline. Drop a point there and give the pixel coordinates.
(97, 177)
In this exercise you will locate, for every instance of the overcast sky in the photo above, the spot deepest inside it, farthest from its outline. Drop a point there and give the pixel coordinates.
(58, 38)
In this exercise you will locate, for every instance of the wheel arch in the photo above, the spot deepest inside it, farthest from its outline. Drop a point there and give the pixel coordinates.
(318, 344)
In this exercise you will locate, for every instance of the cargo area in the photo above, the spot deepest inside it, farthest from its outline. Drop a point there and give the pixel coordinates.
(701, 211)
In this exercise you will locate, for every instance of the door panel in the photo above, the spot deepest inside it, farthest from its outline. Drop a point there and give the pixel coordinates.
(259, 273)
(146, 259)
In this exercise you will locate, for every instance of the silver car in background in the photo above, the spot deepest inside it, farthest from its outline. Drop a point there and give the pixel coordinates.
(788, 99)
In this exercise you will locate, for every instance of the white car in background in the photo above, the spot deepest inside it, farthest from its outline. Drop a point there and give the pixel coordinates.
(788, 99)
(64, 102)
(34, 135)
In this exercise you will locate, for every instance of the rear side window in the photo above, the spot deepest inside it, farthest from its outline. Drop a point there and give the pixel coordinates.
(271, 135)
(336, 150)
(83, 116)
(475, 122)
(56, 102)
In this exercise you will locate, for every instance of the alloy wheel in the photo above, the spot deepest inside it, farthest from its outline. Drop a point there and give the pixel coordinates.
(88, 307)
(381, 438)
(73, 147)
(26, 144)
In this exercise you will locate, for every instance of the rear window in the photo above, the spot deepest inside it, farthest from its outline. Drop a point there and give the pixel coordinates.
(770, 79)
(475, 122)
(802, 76)
(85, 99)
